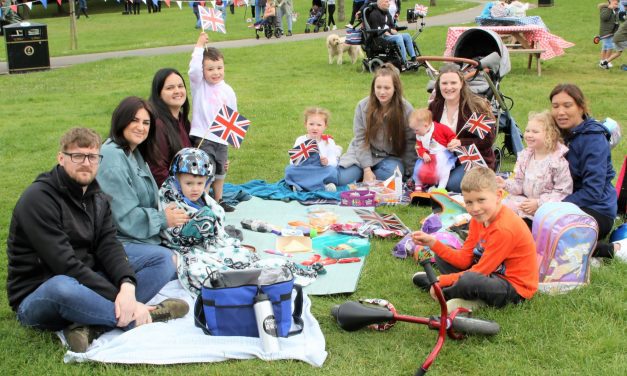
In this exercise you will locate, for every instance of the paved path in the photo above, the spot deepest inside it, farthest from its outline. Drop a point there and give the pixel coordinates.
(454, 18)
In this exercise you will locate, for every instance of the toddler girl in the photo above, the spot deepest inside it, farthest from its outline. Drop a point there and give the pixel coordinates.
(541, 173)
(434, 162)
(319, 171)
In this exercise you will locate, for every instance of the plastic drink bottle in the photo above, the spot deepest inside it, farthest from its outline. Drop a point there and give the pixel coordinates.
(266, 323)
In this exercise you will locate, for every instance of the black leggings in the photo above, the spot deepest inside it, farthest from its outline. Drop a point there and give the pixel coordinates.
(491, 289)
(605, 226)
(356, 8)
(331, 11)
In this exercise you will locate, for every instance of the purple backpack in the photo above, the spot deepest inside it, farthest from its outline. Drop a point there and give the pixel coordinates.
(565, 237)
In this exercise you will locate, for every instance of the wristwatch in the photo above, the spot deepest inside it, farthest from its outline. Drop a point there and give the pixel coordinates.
(128, 280)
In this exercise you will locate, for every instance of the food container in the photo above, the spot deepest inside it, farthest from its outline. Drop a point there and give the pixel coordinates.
(341, 246)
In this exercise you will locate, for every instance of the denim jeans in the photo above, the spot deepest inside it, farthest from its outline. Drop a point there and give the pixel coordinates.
(284, 11)
(455, 179)
(404, 43)
(382, 171)
(62, 300)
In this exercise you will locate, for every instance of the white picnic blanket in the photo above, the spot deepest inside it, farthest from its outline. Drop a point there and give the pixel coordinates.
(179, 341)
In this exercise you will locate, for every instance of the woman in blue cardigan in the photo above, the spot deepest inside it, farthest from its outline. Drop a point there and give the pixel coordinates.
(125, 176)
(590, 163)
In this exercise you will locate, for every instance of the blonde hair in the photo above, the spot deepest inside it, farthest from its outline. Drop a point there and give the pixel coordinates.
(421, 114)
(552, 133)
(80, 137)
(309, 111)
(479, 179)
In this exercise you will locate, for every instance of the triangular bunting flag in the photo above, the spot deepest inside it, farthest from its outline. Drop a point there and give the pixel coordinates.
(167, 2)
(395, 182)
(29, 4)
(180, 4)
(155, 2)
(59, 2)
(14, 7)
(44, 3)
(144, 1)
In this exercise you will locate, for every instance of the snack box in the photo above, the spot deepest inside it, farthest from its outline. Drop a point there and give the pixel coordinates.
(341, 246)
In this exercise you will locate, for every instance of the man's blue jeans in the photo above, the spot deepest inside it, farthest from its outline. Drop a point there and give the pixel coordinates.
(62, 300)
(382, 171)
(404, 43)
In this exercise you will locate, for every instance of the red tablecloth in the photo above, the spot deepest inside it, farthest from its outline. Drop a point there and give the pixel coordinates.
(538, 36)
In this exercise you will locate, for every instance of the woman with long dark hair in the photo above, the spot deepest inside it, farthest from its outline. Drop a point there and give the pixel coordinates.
(382, 138)
(168, 98)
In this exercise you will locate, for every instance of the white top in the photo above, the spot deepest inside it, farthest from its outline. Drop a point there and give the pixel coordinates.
(326, 149)
(207, 99)
(444, 118)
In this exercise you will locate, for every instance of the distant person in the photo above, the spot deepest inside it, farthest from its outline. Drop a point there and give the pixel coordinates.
(497, 264)
(285, 8)
(608, 23)
(620, 43)
(66, 269)
(82, 6)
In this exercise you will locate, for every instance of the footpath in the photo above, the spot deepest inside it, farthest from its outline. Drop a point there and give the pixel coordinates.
(455, 18)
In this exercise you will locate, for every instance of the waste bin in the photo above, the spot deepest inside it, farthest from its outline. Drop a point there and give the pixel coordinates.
(545, 3)
(27, 47)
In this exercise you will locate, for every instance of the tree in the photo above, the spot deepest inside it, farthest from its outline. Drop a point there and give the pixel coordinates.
(340, 10)
(432, 3)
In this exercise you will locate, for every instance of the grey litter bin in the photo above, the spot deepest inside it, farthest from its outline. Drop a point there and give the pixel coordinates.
(27, 47)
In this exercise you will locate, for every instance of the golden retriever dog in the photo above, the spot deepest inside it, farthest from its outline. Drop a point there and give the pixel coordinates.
(337, 47)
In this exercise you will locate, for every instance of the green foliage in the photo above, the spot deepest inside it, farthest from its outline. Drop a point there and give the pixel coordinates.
(582, 332)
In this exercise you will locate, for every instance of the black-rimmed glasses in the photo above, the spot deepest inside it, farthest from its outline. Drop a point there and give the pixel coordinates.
(80, 157)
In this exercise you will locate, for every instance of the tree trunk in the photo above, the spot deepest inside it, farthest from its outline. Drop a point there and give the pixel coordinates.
(340, 11)
(73, 34)
(432, 3)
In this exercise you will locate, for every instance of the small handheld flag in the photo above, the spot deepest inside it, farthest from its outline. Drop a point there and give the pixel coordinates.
(386, 221)
(469, 156)
(421, 10)
(479, 125)
(211, 19)
(230, 126)
(302, 152)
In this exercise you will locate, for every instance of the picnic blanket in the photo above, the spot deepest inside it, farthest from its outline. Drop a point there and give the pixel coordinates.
(179, 341)
(339, 279)
(281, 191)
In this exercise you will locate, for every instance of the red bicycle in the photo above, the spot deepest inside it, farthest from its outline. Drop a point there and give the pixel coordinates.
(352, 316)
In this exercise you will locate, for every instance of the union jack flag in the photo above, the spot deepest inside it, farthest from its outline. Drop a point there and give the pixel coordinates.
(302, 152)
(387, 221)
(211, 19)
(479, 125)
(230, 126)
(469, 156)
(421, 10)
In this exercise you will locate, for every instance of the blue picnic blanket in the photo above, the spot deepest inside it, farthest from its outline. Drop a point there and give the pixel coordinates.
(282, 191)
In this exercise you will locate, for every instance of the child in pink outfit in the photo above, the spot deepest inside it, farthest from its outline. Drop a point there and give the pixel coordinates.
(541, 173)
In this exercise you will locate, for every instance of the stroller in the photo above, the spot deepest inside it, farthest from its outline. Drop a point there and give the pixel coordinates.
(483, 56)
(269, 29)
(317, 17)
(377, 49)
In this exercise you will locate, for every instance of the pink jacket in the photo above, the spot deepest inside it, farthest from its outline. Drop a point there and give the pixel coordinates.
(556, 182)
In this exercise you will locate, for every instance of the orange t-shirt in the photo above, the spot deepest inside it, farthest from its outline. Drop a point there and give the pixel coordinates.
(508, 250)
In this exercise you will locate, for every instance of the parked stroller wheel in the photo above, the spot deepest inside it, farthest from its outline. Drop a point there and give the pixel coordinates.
(307, 30)
(278, 32)
(316, 29)
(374, 64)
(469, 325)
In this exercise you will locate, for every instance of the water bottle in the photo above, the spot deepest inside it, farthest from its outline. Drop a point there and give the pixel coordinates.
(266, 323)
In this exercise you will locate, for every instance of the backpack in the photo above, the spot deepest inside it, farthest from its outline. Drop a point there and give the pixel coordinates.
(565, 237)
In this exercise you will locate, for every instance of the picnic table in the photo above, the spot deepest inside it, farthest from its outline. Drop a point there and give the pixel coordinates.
(529, 37)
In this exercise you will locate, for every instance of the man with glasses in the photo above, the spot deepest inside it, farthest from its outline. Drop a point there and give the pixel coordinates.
(66, 268)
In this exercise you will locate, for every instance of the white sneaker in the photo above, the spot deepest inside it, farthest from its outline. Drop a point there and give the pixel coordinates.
(349, 26)
(334, 27)
(330, 187)
(472, 305)
(595, 262)
(621, 253)
(609, 64)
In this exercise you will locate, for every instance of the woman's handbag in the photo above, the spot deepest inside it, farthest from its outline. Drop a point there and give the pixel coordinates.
(225, 304)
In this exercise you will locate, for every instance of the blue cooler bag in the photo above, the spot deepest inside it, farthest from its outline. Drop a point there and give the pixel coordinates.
(228, 310)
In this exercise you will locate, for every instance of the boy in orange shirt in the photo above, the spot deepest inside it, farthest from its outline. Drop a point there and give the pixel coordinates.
(497, 263)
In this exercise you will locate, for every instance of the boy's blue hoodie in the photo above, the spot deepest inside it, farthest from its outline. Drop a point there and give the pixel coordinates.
(591, 168)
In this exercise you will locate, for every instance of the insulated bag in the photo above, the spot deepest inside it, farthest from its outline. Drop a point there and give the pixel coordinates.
(228, 311)
(565, 237)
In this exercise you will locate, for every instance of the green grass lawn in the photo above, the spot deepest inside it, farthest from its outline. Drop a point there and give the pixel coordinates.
(108, 30)
(582, 332)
